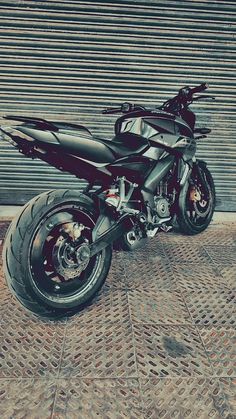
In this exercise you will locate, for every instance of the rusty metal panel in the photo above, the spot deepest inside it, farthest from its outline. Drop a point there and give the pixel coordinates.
(68, 60)
(114, 356)
(220, 343)
(109, 306)
(228, 386)
(16, 359)
(173, 351)
(164, 307)
(30, 398)
(84, 398)
(193, 277)
(229, 275)
(212, 307)
(136, 353)
(189, 397)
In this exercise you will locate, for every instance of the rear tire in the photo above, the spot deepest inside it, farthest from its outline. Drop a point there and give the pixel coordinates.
(41, 267)
(195, 214)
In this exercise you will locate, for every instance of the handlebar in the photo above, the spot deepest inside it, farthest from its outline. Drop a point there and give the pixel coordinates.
(111, 110)
(186, 93)
(200, 88)
(204, 97)
(183, 99)
(124, 108)
(174, 105)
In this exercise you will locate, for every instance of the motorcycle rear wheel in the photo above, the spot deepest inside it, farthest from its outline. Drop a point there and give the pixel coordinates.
(195, 208)
(46, 254)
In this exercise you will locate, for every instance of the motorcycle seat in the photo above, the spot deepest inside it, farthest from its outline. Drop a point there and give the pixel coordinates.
(125, 144)
(102, 150)
(81, 143)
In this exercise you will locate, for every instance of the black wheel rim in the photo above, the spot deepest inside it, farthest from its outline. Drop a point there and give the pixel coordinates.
(56, 278)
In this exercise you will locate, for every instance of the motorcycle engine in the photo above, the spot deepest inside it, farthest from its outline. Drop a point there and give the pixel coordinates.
(162, 207)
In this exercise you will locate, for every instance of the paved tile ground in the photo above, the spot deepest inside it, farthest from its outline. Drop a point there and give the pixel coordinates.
(158, 341)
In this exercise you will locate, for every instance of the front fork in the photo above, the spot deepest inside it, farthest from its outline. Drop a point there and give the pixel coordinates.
(196, 169)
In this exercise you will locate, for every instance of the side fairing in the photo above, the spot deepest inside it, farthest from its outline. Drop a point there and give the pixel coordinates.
(135, 168)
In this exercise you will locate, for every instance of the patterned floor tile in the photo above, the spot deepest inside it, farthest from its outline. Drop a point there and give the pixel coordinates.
(234, 235)
(0, 252)
(192, 398)
(212, 307)
(30, 351)
(99, 350)
(220, 345)
(196, 276)
(150, 248)
(169, 237)
(137, 326)
(228, 274)
(2, 278)
(215, 235)
(26, 398)
(3, 228)
(11, 311)
(104, 399)
(110, 305)
(222, 255)
(149, 274)
(170, 351)
(116, 275)
(185, 253)
(164, 307)
(228, 386)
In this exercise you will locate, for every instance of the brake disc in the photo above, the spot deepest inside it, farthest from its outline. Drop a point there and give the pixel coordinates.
(68, 262)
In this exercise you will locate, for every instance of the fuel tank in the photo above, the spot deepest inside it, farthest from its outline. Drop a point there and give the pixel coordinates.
(150, 123)
(161, 129)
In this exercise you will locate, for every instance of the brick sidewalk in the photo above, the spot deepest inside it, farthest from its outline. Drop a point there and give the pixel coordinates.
(158, 342)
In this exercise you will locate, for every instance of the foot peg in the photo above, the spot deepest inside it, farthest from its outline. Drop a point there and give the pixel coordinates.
(165, 228)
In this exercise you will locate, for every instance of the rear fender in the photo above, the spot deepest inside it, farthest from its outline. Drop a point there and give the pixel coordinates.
(103, 224)
(15, 136)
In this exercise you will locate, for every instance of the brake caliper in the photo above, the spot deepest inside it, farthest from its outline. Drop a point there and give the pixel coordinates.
(194, 195)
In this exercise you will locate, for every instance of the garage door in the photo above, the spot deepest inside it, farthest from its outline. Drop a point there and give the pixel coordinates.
(67, 60)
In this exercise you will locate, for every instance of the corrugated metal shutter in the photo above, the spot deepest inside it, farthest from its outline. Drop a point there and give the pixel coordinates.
(69, 59)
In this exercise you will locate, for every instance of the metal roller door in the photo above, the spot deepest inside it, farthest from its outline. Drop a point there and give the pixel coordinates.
(69, 59)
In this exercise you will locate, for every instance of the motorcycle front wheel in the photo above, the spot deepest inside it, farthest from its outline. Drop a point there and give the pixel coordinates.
(196, 201)
(46, 254)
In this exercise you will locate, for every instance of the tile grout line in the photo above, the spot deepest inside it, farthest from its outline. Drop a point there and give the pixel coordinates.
(184, 301)
(131, 324)
(135, 352)
(58, 374)
(200, 337)
(138, 377)
(217, 269)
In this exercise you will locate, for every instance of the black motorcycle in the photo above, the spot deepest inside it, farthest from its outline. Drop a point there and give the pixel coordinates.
(57, 252)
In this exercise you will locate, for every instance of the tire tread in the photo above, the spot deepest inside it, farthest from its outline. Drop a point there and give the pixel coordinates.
(12, 251)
